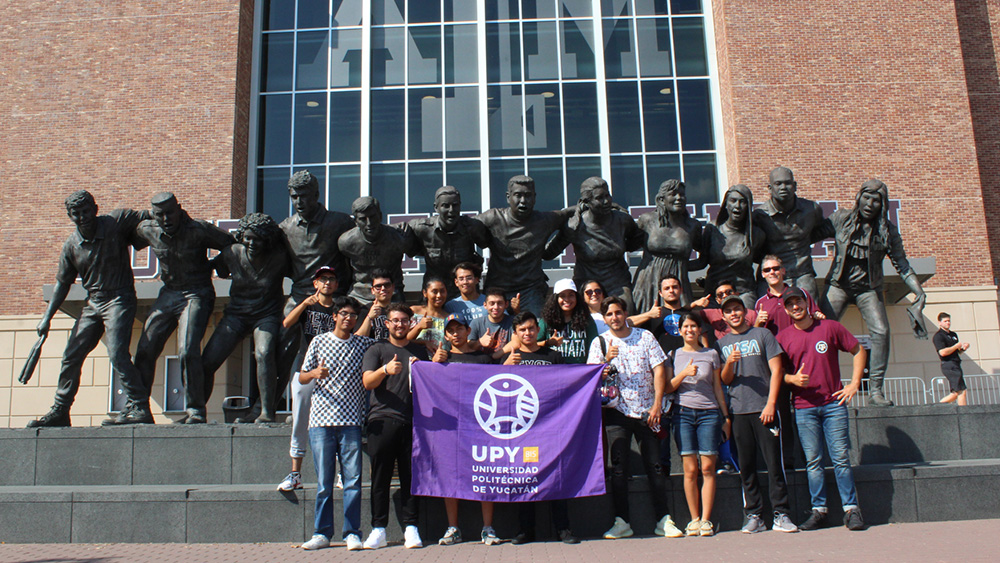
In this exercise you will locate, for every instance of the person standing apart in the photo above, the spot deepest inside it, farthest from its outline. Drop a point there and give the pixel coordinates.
(949, 350)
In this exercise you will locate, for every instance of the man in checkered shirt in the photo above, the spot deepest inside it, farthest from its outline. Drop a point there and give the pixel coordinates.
(333, 360)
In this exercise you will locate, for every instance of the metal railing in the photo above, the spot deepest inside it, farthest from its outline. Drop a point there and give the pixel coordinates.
(983, 389)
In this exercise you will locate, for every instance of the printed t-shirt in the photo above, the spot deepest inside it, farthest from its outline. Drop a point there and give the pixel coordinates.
(815, 351)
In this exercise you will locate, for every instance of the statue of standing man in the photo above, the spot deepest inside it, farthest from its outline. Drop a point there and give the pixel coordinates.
(449, 238)
(371, 245)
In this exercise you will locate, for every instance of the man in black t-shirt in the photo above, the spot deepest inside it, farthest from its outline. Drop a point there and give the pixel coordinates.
(386, 373)
(949, 349)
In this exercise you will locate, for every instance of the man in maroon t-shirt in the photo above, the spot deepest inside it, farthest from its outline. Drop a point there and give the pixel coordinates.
(770, 308)
(820, 402)
(713, 317)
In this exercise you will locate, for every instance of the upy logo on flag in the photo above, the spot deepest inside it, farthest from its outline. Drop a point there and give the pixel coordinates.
(506, 433)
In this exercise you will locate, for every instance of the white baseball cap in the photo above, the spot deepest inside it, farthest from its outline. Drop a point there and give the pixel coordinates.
(564, 284)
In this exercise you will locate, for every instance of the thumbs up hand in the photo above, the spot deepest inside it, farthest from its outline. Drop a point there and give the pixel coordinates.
(321, 371)
(800, 379)
(394, 367)
(690, 371)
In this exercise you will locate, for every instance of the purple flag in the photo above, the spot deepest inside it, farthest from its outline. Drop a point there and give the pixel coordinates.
(506, 433)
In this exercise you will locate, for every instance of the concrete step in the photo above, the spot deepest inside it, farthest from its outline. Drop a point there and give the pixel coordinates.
(888, 493)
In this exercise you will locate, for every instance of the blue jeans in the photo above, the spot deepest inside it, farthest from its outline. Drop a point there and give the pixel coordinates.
(327, 442)
(829, 423)
(697, 431)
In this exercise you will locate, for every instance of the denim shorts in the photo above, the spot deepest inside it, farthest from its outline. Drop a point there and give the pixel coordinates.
(697, 431)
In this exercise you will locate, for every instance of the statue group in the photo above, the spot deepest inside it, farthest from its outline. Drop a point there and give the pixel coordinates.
(263, 253)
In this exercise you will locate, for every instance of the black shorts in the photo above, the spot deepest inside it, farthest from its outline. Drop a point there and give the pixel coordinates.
(955, 378)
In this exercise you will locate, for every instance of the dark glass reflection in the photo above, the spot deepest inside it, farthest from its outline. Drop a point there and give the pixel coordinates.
(277, 56)
(627, 180)
(503, 53)
(310, 127)
(623, 119)
(660, 168)
(578, 53)
(464, 175)
(344, 187)
(653, 38)
(619, 58)
(577, 170)
(424, 11)
(425, 123)
(650, 7)
(313, 13)
(388, 56)
(659, 115)
(425, 179)
(424, 56)
(542, 119)
(615, 8)
(575, 8)
(275, 126)
(310, 58)
(388, 186)
(345, 126)
(279, 14)
(538, 9)
(462, 121)
(504, 114)
(459, 11)
(387, 124)
(700, 177)
(580, 109)
(500, 172)
(345, 57)
(541, 50)
(461, 50)
(550, 187)
(502, 10)
(685, 6)
(689, 38)
(387, 11)
(696, 115)
(272, 192)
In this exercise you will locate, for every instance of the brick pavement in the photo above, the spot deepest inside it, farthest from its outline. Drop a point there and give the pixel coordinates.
(970, 540)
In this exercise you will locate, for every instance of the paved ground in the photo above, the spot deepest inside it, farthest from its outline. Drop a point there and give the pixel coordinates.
(972, 540)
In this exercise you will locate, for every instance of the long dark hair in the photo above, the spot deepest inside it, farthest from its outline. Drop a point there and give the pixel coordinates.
(553, 315)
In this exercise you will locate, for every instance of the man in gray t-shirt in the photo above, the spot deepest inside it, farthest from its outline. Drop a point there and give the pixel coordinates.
(753, 371)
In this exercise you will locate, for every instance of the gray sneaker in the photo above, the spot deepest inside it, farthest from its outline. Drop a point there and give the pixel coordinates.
(490, 536)
(451, 536)
(783, 523)
(753, 525)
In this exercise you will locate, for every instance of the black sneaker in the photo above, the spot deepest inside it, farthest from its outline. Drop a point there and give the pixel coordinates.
(816, 521)
(567, 536)
(853, 520)
(522, 538)
(131, 414)
(56, 417)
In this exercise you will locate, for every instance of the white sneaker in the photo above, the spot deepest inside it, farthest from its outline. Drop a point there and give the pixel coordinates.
(411, 538)
(353, 542)
(318, 541)
(667, 528)
(621, 529)
(292, 482)
(376, 539)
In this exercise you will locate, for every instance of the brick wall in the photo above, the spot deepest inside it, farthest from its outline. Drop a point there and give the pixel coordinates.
(844, 91)
(121, 98)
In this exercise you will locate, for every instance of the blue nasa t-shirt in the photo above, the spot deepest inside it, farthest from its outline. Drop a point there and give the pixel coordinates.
(667, 329)
(752, 381)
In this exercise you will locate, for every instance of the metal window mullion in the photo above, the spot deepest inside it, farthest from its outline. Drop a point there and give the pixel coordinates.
(254, 116)
(295, 86)
(444, 84)
(406, 109)
(562, 109)
(484, 113)
(677, 100)
(329, 95)
(721, 170)
(523, 71)
(366, 97)
(642, 117)
(603, 133)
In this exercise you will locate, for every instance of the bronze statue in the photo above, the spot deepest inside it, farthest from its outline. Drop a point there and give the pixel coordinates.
(600, 235)
(448, 239)
(185, 301)
(791, 224)
(258, 264)
(98, 252)
(371, 245)
(733, 243)
(518, 235)
(864, 236)
(671, 236)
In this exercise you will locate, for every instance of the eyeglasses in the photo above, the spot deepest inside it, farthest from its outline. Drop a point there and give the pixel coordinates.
(347, 315)
(771, 269)
(593, 292)
(724, 293)
(381, 285)
(397, 321)
(327, 280)
(466, 278)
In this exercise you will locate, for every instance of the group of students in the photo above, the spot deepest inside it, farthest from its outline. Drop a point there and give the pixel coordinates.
(710, 372)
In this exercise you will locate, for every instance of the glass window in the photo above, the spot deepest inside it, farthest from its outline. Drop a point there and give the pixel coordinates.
(425, 123)
(423, 11)
(388, 122)
(345, 57)
(388, 56)
(659, 115)
(615, 8)
(425, 179)
(504, 113)
(278, 55)
(459, 11)
(345, 126)
(541, 50)
(310, 127)
(580, 109)
(684, 6)
(650, 7)
(425, 55)
(461, 106)
(503, 52)
(623, 120)
(388, 186)
(653, 38)
(464, 175)
(311, 60)
(627, 181)
(550, 186)
(576, 8)
(272, 192)
(542, 119)
(502, 10)
(696, 115)
(275, 119)
(577, 170)
(619, 57)
(461, 54)
(387, 11)
(279, 14)
(313, 13)
(346, 12)
(500, 172)
(536, 9)
(578, 51)
(659, 169)
(689, 41)
(700, 178)
(344, 187)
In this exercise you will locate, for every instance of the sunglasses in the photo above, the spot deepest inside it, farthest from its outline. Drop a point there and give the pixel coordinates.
(724, 293)
(592, 292)
(771, 269)
(381, 285)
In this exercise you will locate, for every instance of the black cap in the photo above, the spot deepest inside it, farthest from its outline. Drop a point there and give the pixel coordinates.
(324, 270)
(732, 298)
(793, 292)
(455, 318)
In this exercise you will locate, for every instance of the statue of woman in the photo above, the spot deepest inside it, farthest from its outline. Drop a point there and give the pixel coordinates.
(733, 244)
(600, 235)
(671, 235)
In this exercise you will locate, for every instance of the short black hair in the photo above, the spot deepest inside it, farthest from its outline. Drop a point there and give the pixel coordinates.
(381, 273)
(495, 291)
(345, 301)
(401, 307)
(476, 269)
(523, 317)
(613, 300)
(942, 316)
